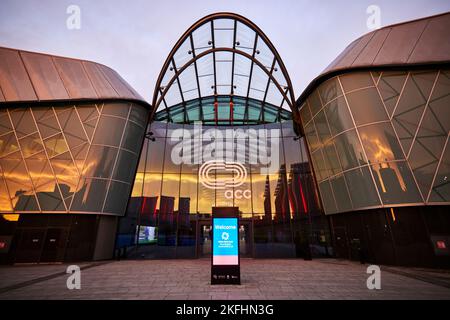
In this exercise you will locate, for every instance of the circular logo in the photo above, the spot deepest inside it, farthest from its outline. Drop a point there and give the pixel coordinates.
(225, 236)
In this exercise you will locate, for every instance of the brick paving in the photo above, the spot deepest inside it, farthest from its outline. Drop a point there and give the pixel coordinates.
(189, 280)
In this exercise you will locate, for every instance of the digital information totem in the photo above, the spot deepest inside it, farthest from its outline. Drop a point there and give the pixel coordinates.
(225, 262)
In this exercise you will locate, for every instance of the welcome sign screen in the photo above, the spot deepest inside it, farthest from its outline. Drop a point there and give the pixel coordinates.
(225, 241)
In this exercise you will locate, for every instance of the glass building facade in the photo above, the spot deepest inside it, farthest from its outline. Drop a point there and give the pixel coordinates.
(66, 158)
(357, 167)
(171, 206)
(380, 139)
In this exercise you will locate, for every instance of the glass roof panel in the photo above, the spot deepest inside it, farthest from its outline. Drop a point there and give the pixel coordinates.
(188, 82)
(183, 54)
(245, 38)
(202, 38)
(216, 58)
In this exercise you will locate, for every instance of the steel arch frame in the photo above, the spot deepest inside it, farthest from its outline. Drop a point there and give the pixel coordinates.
(188, 36)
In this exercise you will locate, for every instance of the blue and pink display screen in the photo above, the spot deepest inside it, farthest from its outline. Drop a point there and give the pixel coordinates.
(225, 241)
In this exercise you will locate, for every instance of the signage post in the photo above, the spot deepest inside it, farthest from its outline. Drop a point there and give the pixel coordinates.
(225, 261)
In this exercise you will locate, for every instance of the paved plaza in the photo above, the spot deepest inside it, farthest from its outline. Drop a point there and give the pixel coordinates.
(190, 280)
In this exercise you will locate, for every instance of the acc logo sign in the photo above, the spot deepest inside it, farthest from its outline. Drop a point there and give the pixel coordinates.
(238, 171)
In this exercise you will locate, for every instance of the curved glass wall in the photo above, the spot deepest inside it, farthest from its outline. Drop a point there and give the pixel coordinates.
(69, 158)
(173, 197)
(380, 139)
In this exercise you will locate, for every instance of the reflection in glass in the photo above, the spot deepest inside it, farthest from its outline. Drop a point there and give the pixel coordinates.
(380, 143)
(321, 123)
(50, 169)
(395, 183)
(329, 90)
(349, 150)
(338, 116)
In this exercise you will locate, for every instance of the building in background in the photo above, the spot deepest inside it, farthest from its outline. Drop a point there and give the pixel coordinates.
(87, 166)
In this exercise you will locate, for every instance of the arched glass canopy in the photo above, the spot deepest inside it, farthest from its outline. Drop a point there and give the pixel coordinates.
(219, 71)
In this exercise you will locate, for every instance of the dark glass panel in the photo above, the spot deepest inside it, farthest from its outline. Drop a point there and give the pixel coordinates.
(356, 80)
(79, 155)
(117, 199)
(139, 115)
(23, 122)
(331, 158)
(349, 150)
(319, 165)
(87, 112)
(390, 86)
(338, 116)
(329, 90)
(72, 127)
(109, 131)
(5, 123)
(440, 100)
(132, 139)
(322, 127)
(395, 183)
(89, 127)
(314, 102)
(361, 188)
(125, 167)
(90, 195)
(49, 197)
(305, 114)
(366, 106)
(46, 121)
(411, 106)
(341, 194)
(100, 162)
(427, 149)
